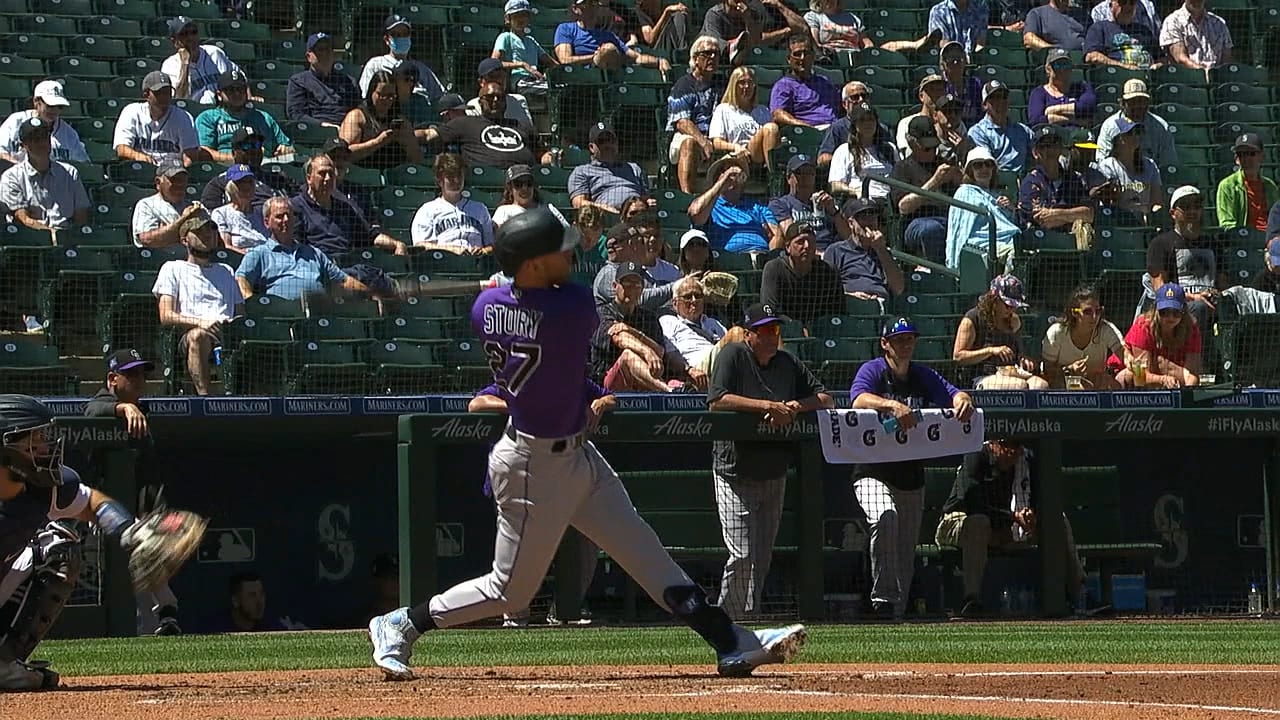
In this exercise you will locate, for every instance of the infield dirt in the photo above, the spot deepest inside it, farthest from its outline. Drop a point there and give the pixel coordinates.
(1120, 692)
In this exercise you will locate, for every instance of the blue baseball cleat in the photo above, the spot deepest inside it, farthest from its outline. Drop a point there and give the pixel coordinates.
(761, 647)
(393, 636)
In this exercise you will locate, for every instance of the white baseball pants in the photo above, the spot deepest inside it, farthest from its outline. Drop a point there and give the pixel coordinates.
(894, 517)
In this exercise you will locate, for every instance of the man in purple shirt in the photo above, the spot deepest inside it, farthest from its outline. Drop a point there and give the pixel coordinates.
(547, 476)
(802, 97)
(1050, 196)
(892, 494)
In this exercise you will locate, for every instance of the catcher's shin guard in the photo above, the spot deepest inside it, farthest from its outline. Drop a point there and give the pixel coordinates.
(36, 603)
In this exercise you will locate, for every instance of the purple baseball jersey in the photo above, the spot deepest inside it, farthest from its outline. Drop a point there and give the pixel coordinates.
(538, 342)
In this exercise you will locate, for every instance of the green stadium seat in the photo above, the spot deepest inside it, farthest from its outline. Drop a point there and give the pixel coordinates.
(149, 259)
(936, 325)
(411, 176)
(256, 354)
(839, 326)
(1012, 58)
(863, 308)
(1238, 112)
(916, 304)
(274, 70)
(484, 16)
(842, 350)
(241, 52)
(398, 198)
(50, 25)
(1183, 95)
(197, 9)
(132, 9)
(429, 307)
(136, 67)
(109, 212)
(466, 353)
(615, 98)
(292, 172)
(324, 329)
(404, 367)
(876, 57)
(90, 174)
(31, 46)
(246, 31)
(28, 365)
(878, 76)
(434, 263)
(575, 75)
(412, 328)
(97, 236)
(487, 177)
(270, 306)
(1242, 74)
(635, 75)
(552, 178)
(153, 47)
(1175, 74)
(14, 89)
(227, 257)
(81, 67)
(110, 26)
(1013, 77)
(1004, 39)
(122, 90)
(769, 57)
(1120, 239)
(1110, 74)
(1239, 92)
(1176, 114)
(98, 48)
(126, 317)
(931, 283)
(62, 7)
(387, 262)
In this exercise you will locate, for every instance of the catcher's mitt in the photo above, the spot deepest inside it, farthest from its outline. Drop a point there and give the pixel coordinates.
(720, 287)
(159, 544)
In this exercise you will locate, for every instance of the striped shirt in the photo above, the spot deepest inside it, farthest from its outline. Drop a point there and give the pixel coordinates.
(967, 26)
(1207, 41)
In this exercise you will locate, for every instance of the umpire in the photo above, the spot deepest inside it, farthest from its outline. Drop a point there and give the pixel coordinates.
(892, 494)
(755, 376)
(121, 398)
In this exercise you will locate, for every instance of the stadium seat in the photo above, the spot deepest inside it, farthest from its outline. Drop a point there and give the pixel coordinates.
(326, 329)
(429, 307)
(838, 326)
(28, 365)
(1242, 74)
(404, 366)
(50, 25)
(411, 176)
(275, 70)
(255, 354)
(31, 46)
(81, 68)
(110, 26)
(270, 306)
(197, 9)
(1182, 94)
(381, 259)
(398, 198)
(1175, 74)
(1238, 92)
(433, 263)
(125, 194)
(133, 9)
(98, 48)
(413, 328)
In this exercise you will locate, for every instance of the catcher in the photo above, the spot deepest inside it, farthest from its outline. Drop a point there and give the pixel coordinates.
(40, 554)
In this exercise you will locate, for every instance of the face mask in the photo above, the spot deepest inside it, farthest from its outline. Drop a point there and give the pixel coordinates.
(401, 45)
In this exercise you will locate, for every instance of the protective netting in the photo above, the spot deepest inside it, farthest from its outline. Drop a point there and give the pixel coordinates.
(72, 296)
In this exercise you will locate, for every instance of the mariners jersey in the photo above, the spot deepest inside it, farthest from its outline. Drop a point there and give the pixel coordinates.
(465, 225)
(202, 75)
(25, 515)
(537, 343)
(66, 142)
(167, 137)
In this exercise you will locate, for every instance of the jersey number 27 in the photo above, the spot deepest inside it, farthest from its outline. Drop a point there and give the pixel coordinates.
(527, 357)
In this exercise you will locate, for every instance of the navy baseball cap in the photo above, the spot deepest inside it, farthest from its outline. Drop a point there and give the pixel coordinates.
(798, 161)
(1047, 135)
(395, 20)
(236, 173)
(128, 359)
(244, 134)
(600, 129)
(178, 24)
(315, 39)
(488, 66)
(450, 101)
(1171, 296)
(900, 326)
(1124, 125)
(233, 78)
(761, 314)
(32, 127)
(629, 269)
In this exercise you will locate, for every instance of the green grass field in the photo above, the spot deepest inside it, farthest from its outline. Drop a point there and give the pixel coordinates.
(1235, 642)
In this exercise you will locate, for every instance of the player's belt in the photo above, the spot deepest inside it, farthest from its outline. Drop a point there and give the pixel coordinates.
(555, 445)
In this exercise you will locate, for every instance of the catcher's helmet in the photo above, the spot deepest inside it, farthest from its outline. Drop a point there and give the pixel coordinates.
(32, 460)
(530, 234)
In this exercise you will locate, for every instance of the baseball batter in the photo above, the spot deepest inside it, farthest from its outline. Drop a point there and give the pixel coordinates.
(547, 476)
(39, 557)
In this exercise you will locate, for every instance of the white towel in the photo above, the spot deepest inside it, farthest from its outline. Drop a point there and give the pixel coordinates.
(856, 436)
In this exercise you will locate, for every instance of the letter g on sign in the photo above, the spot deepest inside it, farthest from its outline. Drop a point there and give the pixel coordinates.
(934, 432)
(869, 438)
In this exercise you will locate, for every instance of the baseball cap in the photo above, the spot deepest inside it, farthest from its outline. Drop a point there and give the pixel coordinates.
(244, 134)
(335, 145)
(948, 100)
(600, 129)
(993, 87)
(854, 207)
(798, 161)
(952, 47)
(1009, 289)
(929, 79)
(1247, 141)
(195, 222)
(395, 20)
(1083, 139)
(50, 92)
(1056, 55)
(621, 231)
(405, 70)
(1124, 125)
(1047, 135)
(128, 359)
(796, 229)
(488, 66)
(923, 131)
(1181, 193)
(899, 326)
(316, 38)
(178, 24)
(515, 172)
(630, 269)
(1135, 88)
(450, 101)
(691, 236)
(517, 6)
(233, 78)
(979, 154)
(156, 80)
(169, 167)
(1171, 296)
(861, 110)
(763, 314)
(236, 173)
(32, 127)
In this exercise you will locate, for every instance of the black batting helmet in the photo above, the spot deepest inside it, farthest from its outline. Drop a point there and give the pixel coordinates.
(529, 235)
(36, 462)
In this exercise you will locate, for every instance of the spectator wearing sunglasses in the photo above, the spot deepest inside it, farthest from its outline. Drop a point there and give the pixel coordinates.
(689, 332)
(954, 67)
(1245, 195)
(1081, 343)
(803, 97)
(1167, 341)
(217, 126)
(854, 94)
(247, 149)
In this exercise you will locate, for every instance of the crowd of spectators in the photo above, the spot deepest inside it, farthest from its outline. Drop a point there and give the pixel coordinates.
(824, 240)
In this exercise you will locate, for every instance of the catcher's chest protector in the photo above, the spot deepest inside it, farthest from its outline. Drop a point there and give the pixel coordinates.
(34, 606)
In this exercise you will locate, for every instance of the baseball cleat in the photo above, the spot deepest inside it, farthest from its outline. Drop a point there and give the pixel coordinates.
(761, 647)
(16, 675)
(393, 636)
